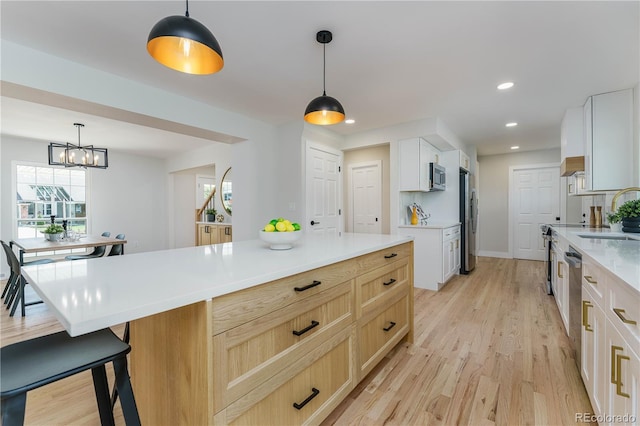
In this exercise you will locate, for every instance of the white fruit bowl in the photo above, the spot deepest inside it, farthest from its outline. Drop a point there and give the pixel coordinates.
(280, 240)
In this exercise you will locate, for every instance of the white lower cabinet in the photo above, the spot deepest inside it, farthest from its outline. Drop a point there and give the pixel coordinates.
(560, 281)
(610, 362)
(594, 373)
(436, 255)
(623, 387)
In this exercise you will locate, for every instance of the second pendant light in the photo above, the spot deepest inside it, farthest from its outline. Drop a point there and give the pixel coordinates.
(324, 110)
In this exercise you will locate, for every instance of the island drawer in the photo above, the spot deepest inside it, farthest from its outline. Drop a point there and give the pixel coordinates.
(303, 393)
(623, 310)
(248, 355)
(384, 257)
(374, 286)
(594, 278)
(379, 333)
(237, 308)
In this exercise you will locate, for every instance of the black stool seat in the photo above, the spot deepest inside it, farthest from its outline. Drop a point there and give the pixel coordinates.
(37, 362)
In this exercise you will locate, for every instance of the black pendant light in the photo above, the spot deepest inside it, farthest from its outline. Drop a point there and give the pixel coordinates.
(185, 45)
(324, 109)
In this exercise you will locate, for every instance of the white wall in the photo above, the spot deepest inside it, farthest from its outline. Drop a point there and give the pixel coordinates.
(127, 198)
(493, 200)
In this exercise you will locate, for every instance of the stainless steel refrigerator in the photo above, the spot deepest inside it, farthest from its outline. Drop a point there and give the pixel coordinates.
(469, 221)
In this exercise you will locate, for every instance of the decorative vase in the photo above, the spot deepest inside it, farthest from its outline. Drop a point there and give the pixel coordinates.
(631, 224)
(211, 218)
(53, 237)
(615, 227)
(414, 216)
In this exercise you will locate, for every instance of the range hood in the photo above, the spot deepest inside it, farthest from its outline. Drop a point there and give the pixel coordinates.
(571, 165)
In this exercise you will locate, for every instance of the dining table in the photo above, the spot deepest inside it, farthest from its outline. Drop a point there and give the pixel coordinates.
(39, 244)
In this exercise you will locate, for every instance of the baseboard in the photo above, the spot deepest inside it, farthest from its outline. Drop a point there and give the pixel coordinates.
(500, 254)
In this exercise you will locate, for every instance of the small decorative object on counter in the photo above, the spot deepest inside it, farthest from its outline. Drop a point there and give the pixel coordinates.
(614, 222)
(220, 218)
(598, 217)
(592, 217)
(629, 213)
(280, 233)
(414, 216)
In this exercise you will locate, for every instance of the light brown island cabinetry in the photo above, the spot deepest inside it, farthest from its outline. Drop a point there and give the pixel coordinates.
(284, 352)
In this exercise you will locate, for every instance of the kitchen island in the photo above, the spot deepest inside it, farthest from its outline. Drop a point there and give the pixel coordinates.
(239, 333)
(606, 311)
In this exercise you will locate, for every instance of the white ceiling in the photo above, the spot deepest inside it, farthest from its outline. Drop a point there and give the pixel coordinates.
(389, 62)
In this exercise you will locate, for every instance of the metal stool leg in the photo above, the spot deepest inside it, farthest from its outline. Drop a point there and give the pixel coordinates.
(19, 296)
(102, 395)
(13, 410)
(127, 400)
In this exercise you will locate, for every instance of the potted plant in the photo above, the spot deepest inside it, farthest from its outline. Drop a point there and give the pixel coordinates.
(614, 222)
(629, 213)
(53, 232)
(211, 215)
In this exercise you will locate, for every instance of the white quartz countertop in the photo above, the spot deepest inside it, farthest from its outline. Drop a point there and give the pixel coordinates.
(88, 295)
(441, 225)
(620, 257)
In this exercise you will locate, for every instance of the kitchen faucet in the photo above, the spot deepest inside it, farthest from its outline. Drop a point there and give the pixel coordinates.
(619, 193)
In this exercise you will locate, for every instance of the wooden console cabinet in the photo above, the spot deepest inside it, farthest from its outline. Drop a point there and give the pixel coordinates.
(284, 352)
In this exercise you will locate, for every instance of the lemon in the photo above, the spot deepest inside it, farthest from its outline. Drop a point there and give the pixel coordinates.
(290, 228)
(286, 222)
(281, 227)
(269, 228)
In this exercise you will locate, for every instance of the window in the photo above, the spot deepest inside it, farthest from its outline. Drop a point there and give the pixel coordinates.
(42, 192)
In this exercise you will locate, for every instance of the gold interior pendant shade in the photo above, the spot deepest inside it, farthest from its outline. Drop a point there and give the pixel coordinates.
(324, 110)
(184, 44)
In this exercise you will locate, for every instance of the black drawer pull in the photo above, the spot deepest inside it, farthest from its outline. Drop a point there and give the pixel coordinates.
(314, 393)
(307, 287)
(389, 256)
(304, 330)
(391, 281)
(393, 324)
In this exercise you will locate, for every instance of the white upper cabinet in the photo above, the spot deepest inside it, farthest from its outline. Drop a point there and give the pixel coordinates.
(414, 156)
(608, 132)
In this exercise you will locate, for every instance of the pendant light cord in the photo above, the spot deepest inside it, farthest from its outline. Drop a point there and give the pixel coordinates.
(324, 69)
(187, 12)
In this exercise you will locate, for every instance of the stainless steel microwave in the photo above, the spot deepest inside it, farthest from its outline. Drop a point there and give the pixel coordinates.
(437, 177)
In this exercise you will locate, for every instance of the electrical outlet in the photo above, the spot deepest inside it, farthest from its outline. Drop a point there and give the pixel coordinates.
(292, 206)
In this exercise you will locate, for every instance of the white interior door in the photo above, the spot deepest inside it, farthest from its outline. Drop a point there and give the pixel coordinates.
(366, 197)
(324, 183)
(535, 200)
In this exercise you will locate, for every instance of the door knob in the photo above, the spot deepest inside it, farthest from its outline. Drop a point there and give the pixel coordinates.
(314, 223)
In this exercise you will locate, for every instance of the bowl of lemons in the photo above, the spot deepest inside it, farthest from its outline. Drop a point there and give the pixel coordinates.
(280, 234)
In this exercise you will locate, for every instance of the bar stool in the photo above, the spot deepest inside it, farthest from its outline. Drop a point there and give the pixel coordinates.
(37, 362)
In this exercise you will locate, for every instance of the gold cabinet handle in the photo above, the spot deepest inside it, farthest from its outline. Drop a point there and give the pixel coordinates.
(616, 369)
(457, 243)
(619, 313)
(560, 269)
(590, 279)
(585, 315)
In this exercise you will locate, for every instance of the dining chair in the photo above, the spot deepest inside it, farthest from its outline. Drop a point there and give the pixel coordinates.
(97, 251)
(15, 291)
(12, 277)
(37, 362)
(117, 249)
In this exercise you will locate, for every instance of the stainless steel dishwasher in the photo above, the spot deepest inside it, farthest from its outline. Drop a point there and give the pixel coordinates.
(574, 260)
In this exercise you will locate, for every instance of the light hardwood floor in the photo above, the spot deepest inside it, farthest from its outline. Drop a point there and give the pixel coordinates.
(490, 348)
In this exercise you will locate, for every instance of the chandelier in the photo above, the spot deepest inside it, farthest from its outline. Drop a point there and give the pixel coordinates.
(70, 155)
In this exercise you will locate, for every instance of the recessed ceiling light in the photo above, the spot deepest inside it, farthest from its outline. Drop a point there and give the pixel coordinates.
(515, 147)
(349, 121)
(512, 124)
(505, 85)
